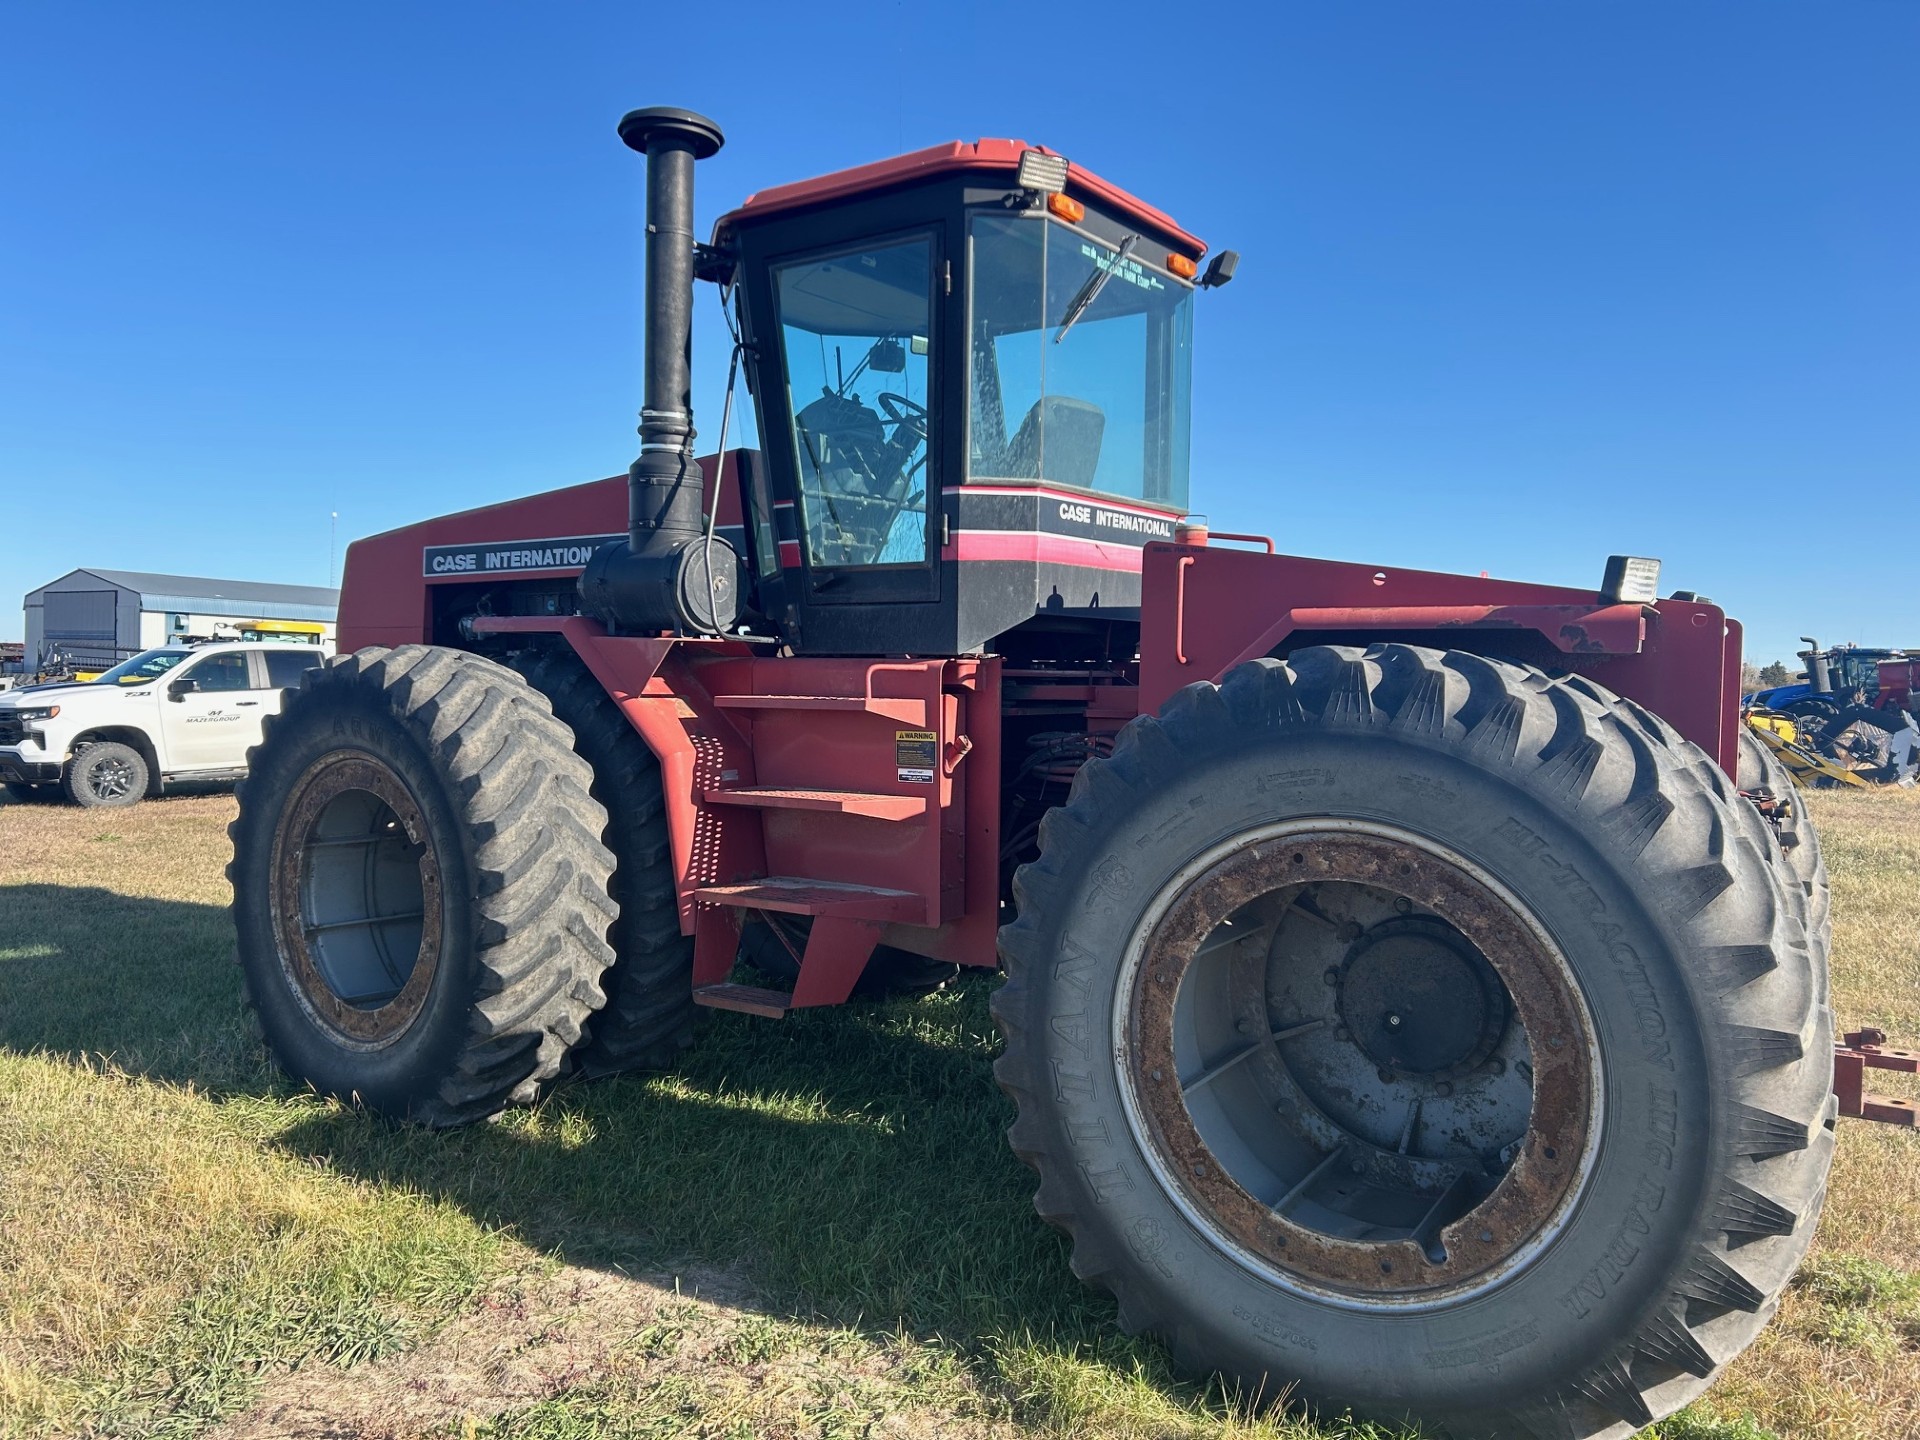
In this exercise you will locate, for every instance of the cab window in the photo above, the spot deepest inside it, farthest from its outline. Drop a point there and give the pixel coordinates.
(286, 667)
(855, 329)
(221, 672)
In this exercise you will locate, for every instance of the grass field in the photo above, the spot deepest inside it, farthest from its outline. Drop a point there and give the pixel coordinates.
(814, 1228)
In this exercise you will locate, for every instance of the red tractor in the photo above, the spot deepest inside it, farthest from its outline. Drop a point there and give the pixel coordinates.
(1405, 1003)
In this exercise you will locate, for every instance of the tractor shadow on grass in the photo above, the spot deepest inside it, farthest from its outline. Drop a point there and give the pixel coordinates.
(852, 1165)
(146, 984)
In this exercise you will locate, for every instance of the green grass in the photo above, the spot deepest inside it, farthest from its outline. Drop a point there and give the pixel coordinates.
(177, 1224)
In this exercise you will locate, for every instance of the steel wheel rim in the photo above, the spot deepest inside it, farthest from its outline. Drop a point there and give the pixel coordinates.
(1267, 1186)
(356, 900)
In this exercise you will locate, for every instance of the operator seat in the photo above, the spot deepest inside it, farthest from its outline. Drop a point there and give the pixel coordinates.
(1072, 430)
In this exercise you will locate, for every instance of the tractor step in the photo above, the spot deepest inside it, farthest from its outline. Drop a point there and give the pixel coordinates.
(748, 999)
(796, 895)
(906, 710)
(839, 802)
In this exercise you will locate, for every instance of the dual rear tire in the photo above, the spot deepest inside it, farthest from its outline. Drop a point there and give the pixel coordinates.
(421, 885)
(1423, 1035)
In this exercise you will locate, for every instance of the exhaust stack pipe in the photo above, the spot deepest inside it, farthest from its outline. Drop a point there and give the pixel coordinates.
(1819, 675)
(658, 577)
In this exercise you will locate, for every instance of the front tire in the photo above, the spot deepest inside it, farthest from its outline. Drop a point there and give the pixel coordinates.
(1423, 1034)
(419, 888)
(106, 775)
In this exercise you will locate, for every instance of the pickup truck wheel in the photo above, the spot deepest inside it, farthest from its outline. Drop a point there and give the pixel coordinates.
(107, 775)
(419, 886)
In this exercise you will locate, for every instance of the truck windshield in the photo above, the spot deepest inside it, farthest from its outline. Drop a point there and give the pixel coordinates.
(143, 668)
(1073, 380)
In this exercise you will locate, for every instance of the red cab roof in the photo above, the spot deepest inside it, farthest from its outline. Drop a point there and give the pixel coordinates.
(957, 155)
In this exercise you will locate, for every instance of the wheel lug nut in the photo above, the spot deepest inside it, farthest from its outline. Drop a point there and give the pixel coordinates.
(1497, 1065)
(1386, 1077)
(1393, 1022)
(1332, 977)
(1403, 904)
(1156, 1076)
(1444, 1088)
(1486, 1237)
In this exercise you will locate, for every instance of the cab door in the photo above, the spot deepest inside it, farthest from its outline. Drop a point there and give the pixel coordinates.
(213, 711)
(860, 324)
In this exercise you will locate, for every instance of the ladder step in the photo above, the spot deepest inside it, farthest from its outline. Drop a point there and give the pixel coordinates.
(795, 895)
(748, 999)
(906, 710)
(840, 802)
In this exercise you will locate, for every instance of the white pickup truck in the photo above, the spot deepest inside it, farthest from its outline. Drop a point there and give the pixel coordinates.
(176, 713)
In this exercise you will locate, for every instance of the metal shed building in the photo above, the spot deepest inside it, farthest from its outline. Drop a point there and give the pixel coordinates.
(103, 612)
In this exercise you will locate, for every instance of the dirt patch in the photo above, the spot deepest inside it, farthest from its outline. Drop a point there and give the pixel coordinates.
(576, 1345)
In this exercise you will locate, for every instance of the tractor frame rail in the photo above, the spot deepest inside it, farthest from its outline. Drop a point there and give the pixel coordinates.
(1864, 1050)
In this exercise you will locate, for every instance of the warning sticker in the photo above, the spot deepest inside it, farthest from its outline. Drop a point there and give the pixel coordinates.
(915, 754)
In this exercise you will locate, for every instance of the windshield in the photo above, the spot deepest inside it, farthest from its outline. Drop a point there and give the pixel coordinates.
(143, 668)
(1081, 365)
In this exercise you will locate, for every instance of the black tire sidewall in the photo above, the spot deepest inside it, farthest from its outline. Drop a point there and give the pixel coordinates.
(79, 780)
(388, 1079)
(1628, 1233)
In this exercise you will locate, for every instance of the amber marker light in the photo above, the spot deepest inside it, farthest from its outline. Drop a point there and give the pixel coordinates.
(1182, 266)
(1069, 210)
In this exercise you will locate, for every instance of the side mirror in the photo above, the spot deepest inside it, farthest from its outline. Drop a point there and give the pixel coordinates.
(181, 688)
(888, 357)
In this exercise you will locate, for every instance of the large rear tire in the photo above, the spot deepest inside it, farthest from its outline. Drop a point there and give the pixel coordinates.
(1423, 1034)
(648, 1018)
(1765, 781)
(419, 888)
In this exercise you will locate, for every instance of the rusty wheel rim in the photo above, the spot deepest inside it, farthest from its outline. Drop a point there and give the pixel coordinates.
(1325, 1131)
(356, 900)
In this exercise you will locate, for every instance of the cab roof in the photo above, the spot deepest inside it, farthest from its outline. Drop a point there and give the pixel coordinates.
(954, 156)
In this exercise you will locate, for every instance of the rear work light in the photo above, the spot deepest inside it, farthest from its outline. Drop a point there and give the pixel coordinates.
(1631, 579)
(1042, 174)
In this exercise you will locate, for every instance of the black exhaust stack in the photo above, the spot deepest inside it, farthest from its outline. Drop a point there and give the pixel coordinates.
(658, 578)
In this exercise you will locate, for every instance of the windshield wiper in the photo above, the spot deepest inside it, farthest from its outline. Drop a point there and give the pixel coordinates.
(1096, 282)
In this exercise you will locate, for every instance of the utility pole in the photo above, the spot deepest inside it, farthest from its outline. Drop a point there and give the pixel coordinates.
(333, 532)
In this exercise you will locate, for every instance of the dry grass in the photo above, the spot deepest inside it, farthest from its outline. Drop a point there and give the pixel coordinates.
(831, 1239)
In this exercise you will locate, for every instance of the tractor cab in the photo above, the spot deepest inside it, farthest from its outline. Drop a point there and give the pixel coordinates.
(972, 370)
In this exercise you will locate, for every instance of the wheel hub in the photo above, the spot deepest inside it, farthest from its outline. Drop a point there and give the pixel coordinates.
(1420, 1000)
(1311, 1136)
(356, 899)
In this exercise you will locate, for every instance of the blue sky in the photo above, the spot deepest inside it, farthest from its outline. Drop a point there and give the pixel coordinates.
(1523, 283)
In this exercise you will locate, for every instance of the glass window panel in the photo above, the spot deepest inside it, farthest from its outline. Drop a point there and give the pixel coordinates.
(1101, 404)
(856, 332)
(222, 672)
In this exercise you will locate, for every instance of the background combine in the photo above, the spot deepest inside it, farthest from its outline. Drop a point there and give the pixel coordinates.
(1852, 719)
(1415, 988)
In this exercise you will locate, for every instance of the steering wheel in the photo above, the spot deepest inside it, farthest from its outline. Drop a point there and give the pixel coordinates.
(902, 411)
